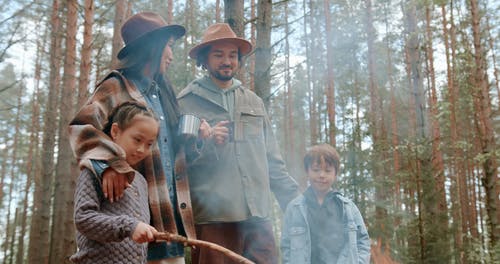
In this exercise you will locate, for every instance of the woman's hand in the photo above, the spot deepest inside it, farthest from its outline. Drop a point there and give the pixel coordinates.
(114, 184)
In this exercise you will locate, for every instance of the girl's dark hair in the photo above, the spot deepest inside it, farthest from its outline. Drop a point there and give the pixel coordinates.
(322, 152)
(124, 113)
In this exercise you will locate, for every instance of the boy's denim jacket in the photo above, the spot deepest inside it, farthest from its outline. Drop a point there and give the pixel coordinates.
(296, 239)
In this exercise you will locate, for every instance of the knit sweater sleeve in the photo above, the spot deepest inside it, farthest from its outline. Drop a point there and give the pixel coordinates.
(91, 221)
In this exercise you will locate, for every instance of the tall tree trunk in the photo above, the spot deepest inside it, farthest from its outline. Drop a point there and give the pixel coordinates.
(33, 150)
(234, 15)
(120, 16)
(289, 124)
(456, 166)
(86, 53)
(378, 137)
(482, 106)
(39, 232)
(312, 125)
(253, 11)
(330, 90)
(437, 168)
(3, 170)
(10, 227)
(170, 13)
(12, 237)
(263, 51)
(394, 138)
(62, 235)
(188, 23)
(218, 18)
(493, 57)
(416, 132)
(313, 73)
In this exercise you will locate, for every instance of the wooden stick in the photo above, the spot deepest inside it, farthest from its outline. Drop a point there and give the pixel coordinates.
(165, 236)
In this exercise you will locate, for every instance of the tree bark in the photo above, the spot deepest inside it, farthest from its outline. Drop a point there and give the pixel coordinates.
(170, 13)
(120, 16)
(459, 200)
(308, 71)
(394, 138)
(263, 51)
(378, 135)
(251, 80)
(39, 232)
(416, 130)
(493, 57)
(482, 106)
(10, 227)
(33, 151)
(437, 169)
(86, 53)
(313, 72)
(62, 235)
(330, 88)
(289, 119)
(234, 15)
(218, 18)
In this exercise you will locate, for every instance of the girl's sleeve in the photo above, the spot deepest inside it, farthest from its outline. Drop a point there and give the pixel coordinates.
(89, 219)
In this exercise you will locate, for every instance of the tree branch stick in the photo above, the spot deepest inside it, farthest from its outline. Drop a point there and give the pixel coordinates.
(165, 236)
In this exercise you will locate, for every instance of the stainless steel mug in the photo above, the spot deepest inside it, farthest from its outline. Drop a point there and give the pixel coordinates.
(189, 126)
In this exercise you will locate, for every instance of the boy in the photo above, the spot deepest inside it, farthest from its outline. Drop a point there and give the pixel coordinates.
(321, 225)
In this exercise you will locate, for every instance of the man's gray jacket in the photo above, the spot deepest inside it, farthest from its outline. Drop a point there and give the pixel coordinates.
(233, 182)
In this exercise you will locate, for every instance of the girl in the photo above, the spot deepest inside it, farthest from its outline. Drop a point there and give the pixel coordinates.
(117, 232)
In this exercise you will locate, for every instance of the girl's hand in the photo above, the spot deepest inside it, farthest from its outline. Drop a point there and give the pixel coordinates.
(143, 233)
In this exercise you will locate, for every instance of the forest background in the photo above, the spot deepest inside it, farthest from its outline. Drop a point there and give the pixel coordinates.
(406, 90)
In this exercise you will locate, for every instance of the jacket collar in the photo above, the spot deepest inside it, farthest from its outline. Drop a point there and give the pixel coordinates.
(205, 88)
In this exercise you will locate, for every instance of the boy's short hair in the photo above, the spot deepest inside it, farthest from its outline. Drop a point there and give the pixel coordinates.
(322, 152)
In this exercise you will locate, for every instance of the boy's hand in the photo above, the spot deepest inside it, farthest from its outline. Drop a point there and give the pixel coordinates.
(114, 184)
(143, 233)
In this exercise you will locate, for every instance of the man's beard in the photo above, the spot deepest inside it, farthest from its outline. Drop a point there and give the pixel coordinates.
(217, 75)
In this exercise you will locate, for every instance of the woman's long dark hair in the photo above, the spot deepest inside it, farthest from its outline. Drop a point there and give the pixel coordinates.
(151, 53)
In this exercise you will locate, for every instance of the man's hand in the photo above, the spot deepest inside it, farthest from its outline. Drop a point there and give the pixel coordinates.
(114, 184)
(143, 233)
(205, 130)
(220, 132)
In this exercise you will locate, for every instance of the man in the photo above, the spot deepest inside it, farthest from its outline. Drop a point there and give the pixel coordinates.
(140, 76)
(232, 179)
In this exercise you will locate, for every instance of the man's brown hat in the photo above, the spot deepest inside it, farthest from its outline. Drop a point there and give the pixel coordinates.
(146, 26)
(221, 32)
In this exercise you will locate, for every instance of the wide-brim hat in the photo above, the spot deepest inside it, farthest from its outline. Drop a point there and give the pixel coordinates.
(146, 26)
(221, 32)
